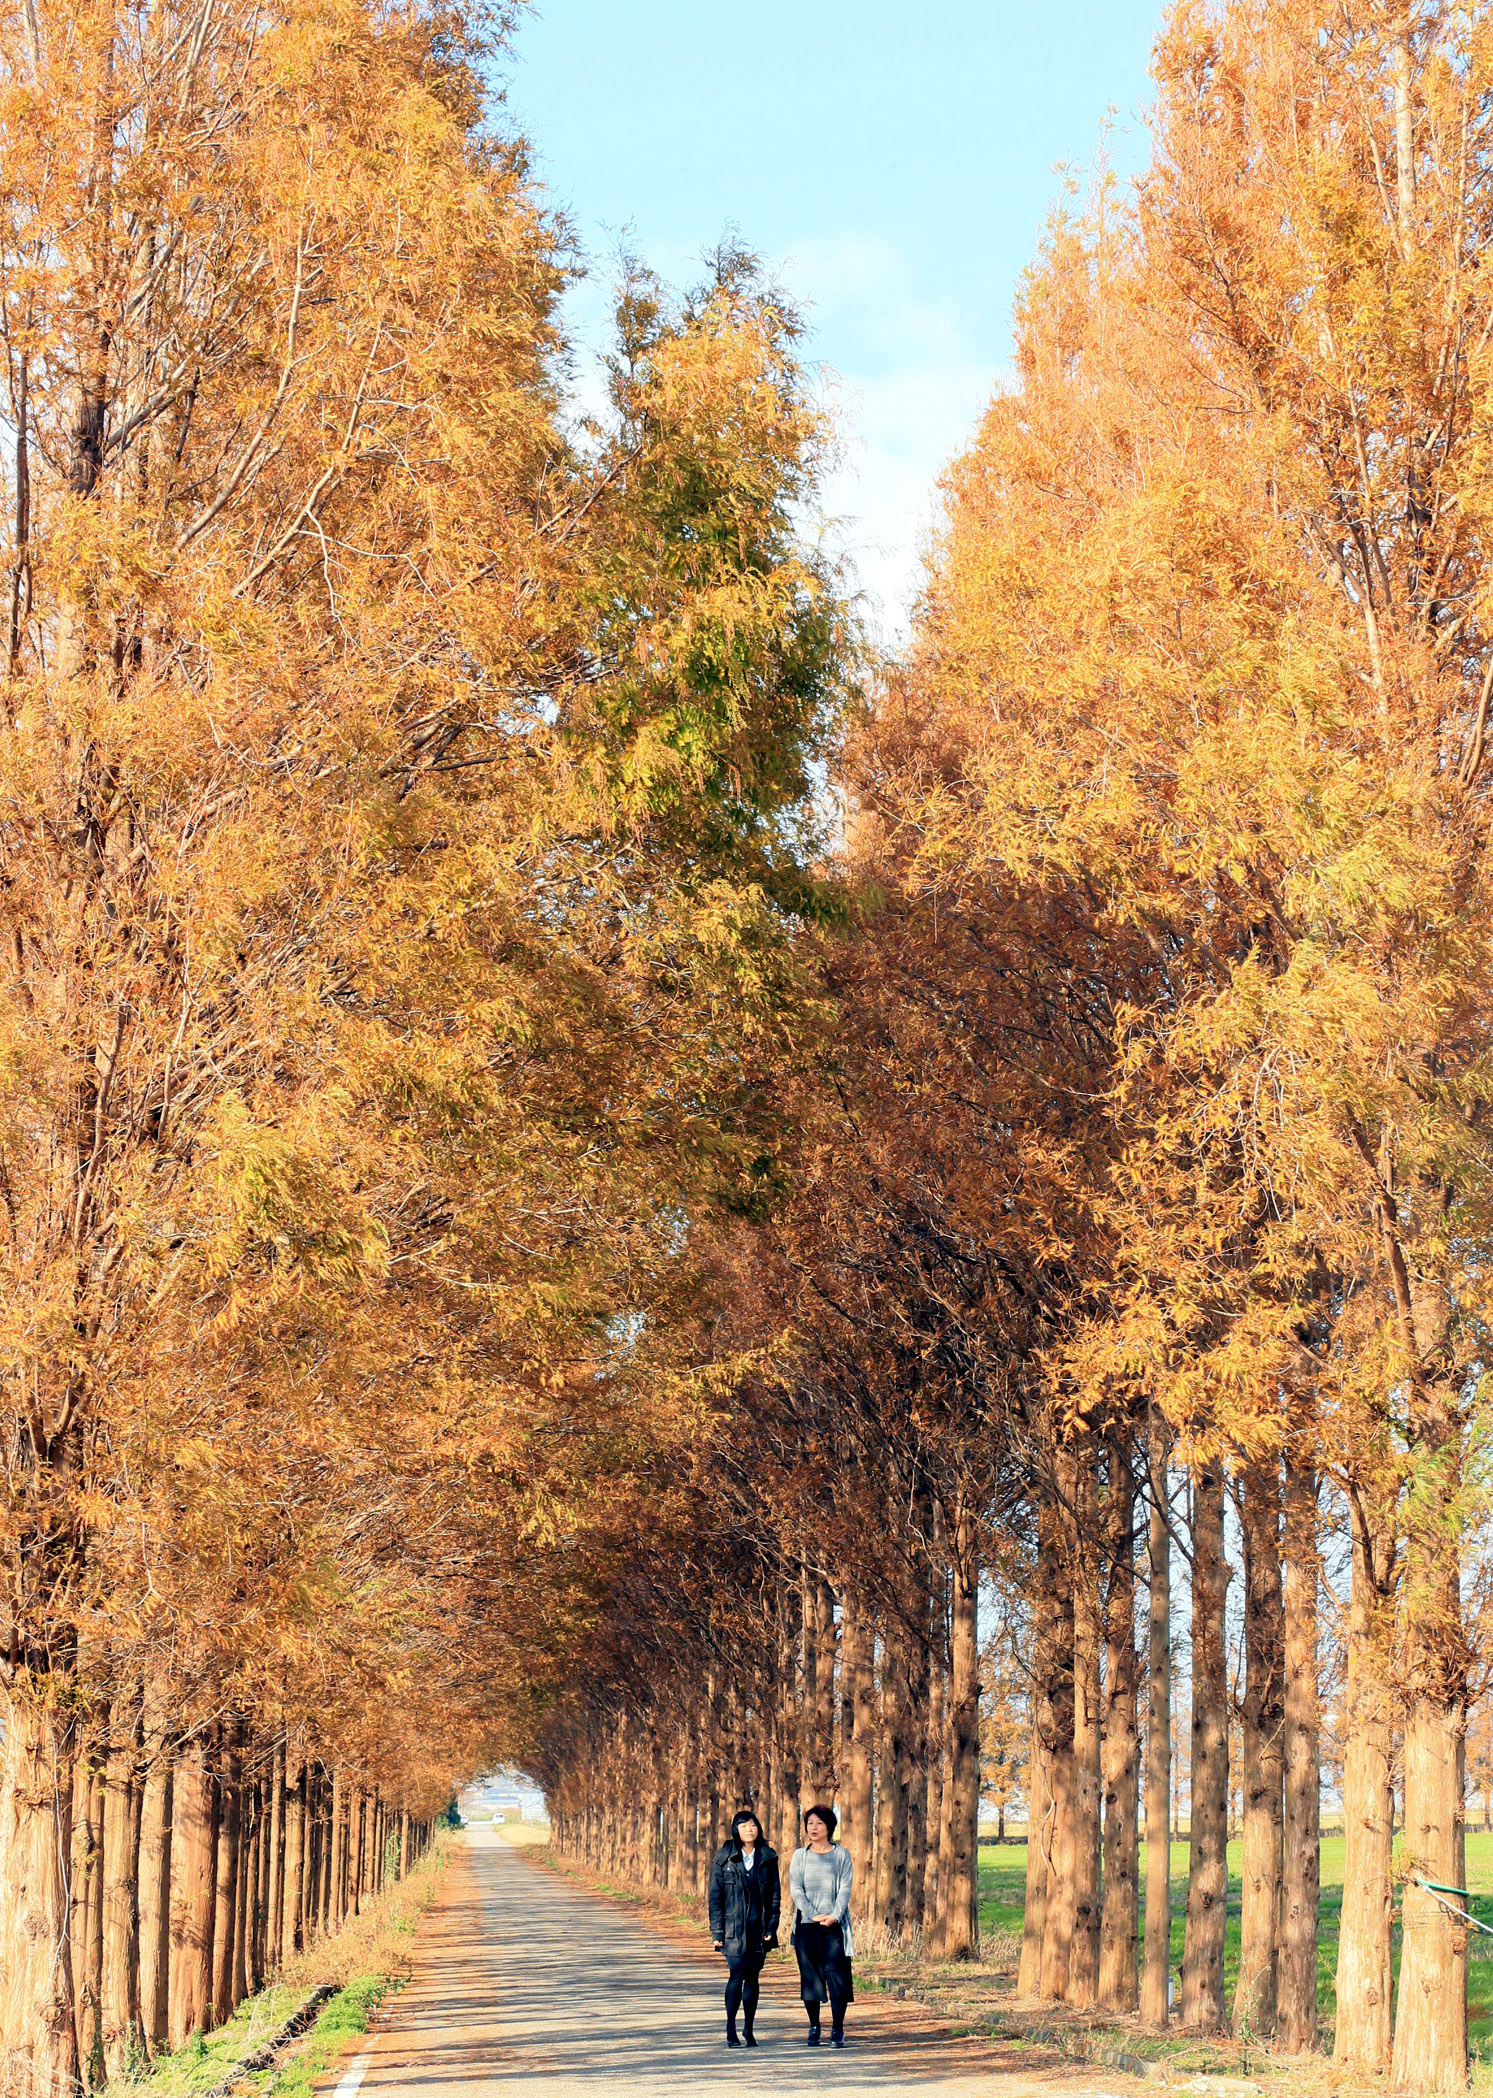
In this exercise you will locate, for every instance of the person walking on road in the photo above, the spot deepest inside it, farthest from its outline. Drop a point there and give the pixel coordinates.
(745, 1900)
(819, 1879)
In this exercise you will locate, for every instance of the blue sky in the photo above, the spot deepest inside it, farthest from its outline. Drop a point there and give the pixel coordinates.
(894, 164)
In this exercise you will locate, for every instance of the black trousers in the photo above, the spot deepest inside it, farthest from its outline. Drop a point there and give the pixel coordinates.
(824, 1969)
(743, 1987)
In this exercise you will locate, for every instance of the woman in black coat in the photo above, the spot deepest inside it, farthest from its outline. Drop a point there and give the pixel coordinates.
(744, 1901)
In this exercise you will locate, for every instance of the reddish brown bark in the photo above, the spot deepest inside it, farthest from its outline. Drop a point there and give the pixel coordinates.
(1296, 2010)
(1155, 1996)
(1263, 1758)
(1119, 1975)
(1207, 1878)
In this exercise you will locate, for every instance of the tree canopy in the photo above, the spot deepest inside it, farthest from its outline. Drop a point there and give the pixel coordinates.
(597, 1175)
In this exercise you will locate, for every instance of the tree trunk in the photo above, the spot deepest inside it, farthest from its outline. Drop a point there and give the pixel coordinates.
(1038, 1815)
(312, 1867)
(87, 1914)
(248, 1874)
(328, 1855)
(1119, 1978)
(38, 2039)
(329, 1831)
(825, 1736)
(121, 1917)
(1296, 1985)
(332, 1834)
(194, 1842)
(961, 1934)
(1083, 1959)
(679, 1776)
(274, 1908)
(1155, 1985)
(225, 1900)
(1430, 2037)
(293, 1908)
(788, 1743)
(271, 1835)
(338, 1838)
(858, 1690)
(947, 1813)
(1208, 1872)
(155, 1885)
(1046, 1642)
(325, 1918)
(808, 1715)
(1056, 1720)
(919, 1746)
(937, 1754)
(362, 1844)
(891, 1783)
(1362, 2039)
(1263, 1758)
(694, 1850)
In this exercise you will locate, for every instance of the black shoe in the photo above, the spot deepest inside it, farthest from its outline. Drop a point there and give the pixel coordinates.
(837, 2039)
(813, 2039)
(751, 2039)
(731, 2039)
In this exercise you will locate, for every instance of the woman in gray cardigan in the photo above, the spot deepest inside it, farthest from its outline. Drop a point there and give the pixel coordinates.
(819, 1879)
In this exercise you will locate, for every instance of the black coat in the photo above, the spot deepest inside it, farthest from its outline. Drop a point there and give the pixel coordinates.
(740, 1924)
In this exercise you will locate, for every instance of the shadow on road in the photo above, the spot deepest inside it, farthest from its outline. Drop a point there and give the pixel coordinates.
(524, 1982)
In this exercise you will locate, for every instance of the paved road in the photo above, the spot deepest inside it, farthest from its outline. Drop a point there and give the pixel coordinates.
(525, 1983)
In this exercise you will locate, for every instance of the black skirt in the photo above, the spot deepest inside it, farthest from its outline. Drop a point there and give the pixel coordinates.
(823, 1964)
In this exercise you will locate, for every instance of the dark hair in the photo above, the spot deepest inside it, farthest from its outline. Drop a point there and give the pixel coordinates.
(745, 1814)
(827, 1815)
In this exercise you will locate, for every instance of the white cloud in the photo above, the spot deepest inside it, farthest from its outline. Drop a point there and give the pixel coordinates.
(909, 386)
(901, 372)
(901, 430)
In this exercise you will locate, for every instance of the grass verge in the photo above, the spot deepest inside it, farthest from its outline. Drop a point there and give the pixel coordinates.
(366, 1962)
(1003, 1900)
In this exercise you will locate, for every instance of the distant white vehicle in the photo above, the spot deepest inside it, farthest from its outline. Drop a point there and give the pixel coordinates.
(500, 1816)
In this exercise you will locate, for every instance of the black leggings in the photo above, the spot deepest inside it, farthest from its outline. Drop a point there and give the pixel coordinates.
(743, 1987)
(836, 2014)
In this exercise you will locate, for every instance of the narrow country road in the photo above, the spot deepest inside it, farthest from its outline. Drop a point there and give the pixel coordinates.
(522, 1982)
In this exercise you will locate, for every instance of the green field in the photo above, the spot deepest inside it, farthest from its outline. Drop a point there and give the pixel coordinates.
(1002, 1901)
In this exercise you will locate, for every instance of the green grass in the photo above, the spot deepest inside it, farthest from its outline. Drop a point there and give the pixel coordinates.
(363, 1962)
(1003, 1901)
(347, 2013)
(205, 2063)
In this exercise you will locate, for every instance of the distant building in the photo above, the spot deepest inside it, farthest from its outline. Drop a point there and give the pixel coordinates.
(503, 1792)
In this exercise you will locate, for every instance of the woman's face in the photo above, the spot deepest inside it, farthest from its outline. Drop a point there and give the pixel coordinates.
(816, 1830)
(750, 1834)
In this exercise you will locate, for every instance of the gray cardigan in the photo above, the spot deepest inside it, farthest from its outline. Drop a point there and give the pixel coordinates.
(820, 1886)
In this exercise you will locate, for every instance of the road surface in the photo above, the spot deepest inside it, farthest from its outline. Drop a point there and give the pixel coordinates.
(523, 1982)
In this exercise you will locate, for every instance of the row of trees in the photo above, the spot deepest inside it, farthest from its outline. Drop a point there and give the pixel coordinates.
(197, 1869)
(406, 804)
(643, 1784)
(1149, 1130)
(519, 1248)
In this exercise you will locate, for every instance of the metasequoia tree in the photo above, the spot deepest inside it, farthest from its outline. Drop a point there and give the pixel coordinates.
(889, 1309)
(400, 834)
(492, 1204)
(1208, 619)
